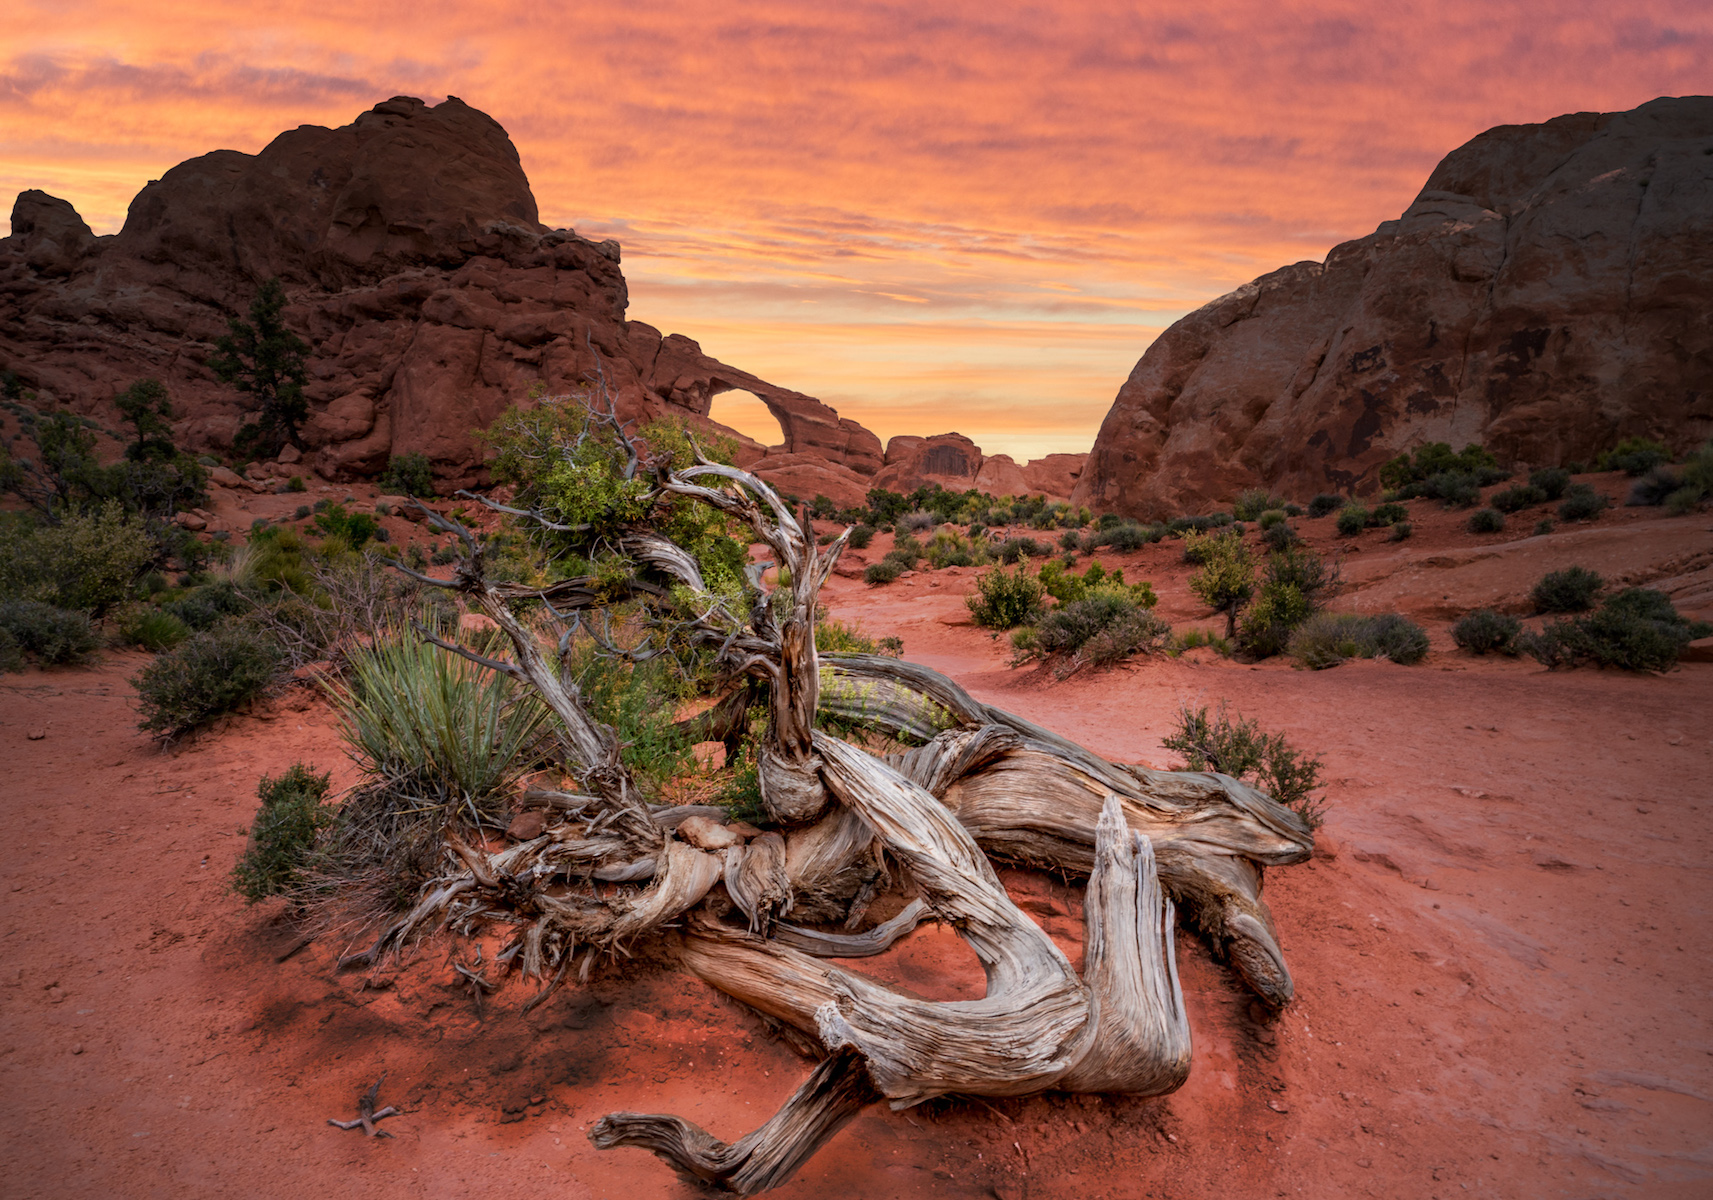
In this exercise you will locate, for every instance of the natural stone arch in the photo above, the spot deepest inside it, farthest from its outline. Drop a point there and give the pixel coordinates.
(748, 413)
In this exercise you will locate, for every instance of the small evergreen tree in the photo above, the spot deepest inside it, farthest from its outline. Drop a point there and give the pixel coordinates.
(265, 359)
(148, 410)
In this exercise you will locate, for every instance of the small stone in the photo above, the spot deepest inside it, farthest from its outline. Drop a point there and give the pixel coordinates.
(36, 735)
(705, 833)
(527, 826)
(56, 995)
(290, 455)
(225, 477)
(77, 1047)
(744, 829)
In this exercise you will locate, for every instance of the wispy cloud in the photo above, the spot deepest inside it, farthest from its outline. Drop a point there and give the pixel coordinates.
(852, 199)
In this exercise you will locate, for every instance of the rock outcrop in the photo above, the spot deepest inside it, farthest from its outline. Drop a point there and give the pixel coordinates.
(1546, 294)
(416, 267)
(954, 462)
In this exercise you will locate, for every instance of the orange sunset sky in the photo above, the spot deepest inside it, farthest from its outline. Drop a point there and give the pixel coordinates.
(933, 215)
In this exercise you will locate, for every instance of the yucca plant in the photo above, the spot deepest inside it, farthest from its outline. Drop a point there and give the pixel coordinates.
(435, 725)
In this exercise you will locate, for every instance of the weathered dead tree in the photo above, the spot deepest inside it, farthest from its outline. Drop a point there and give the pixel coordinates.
(750, 915)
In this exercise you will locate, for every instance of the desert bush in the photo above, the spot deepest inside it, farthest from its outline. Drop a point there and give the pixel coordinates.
(1226, 580)
(1435, 471)
(1552, 481)
(296, 484)
(1633, 456)
(1067, 588)
(151, 628)
(1581, 503)
(352, 528)
(917, 522)
(205, 606)
(1570, 590)
(1325, 504)
(283, 834)
(1005, 599)
(1239, 748)
(208, 674)
(1487, 632)
(950, 549)
(1270, 518)
(11, 654)
(408, 475)
(1389, 513)
(1651, 489)
(1327, 639)
(1254, 502)
(1124, 536)
(87, 561)
(861, 536)
(1015, 550)
(1486, 520)
(1279, 536)
(1400, 531)
(1638, 629)
(884, 571)
(1101, 629)
(1296, 583)
(1543, 526)
(1071, 540)
(1352, 520)
(1517, 497)
(55, 636)
(1190, 639)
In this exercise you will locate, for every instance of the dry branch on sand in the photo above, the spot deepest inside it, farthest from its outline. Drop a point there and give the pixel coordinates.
(750, 917)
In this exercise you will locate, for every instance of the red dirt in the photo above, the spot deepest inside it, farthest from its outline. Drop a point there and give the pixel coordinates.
(1499, 950)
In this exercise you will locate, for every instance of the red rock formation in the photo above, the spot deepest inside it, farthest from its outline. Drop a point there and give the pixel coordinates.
(416, 267)
(1546, 294)
(954, 462)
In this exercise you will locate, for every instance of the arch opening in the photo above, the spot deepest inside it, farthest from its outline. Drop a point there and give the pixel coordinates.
(748, 414)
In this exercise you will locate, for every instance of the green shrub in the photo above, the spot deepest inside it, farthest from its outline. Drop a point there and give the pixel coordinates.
(861, 536)
(1434, 470)
(1015, 550)
(950, 549)
(1279, 536)
(1486, 520)
(1327, 639)
(1517, 497)
(152, 628)
(1352, 520)
(1652, 489)
(205, 606)
(54, 635)
(1638, 629)
(208, 674)
(11, 654)
(1124, 536)
(1070, 540)
(1270, 518)
(283, 834)
(1487, 632)
(1388, 514)
(1190, 639)
(1633, 456)
(1293, 588)
(296, 484)
(1400, 531)
(1543, 526)
(408, 475)
(1239, 748)
(1570, 590)
(352, 528)
(1102, 629)
(1005, 599)
(1253, 503)
(1551, 481)
(88, 561)
(1226, 580)
(1066, 588)
(1581, 503)
(1457, 488)
(884, 571)
(1325, 504)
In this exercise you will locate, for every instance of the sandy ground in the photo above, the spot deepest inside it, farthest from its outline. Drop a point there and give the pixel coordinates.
(1500, 949)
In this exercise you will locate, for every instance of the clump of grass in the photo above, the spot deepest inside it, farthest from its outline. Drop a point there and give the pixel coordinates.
(1551, 481)
(1238, 747)
(1192, 639)
(884, 571)
(1487, 632)
(1327, 639)
(1581, 503)
(1325, 504)
(283, 833)
(1400, 532)
(151, 628)
(861, 536)
(1352, 520)
(1633, 456)
(1486, 520)
(1517, 497)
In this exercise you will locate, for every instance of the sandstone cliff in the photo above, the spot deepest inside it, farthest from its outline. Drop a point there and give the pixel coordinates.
(1549, 291)
(410, 248)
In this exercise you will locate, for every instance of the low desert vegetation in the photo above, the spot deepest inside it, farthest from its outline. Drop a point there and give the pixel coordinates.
(1328, 639)
(283, 833)
(1568, 591)
(1434, 472)
(1486, 520)
(1581, 503)
(1238, 747)
(1633, 456)
(1487, 632)
(1636, 629)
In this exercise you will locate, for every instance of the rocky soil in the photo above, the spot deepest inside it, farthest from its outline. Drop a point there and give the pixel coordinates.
(1499, 947)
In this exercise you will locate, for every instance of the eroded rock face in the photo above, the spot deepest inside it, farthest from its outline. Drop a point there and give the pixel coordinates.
(1545, 294)
(956, 463)
(415, 266)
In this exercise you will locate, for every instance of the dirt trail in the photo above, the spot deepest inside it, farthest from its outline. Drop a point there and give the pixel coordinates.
(1499, 954)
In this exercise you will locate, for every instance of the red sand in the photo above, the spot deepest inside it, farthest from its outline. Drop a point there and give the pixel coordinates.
(1499, 952)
